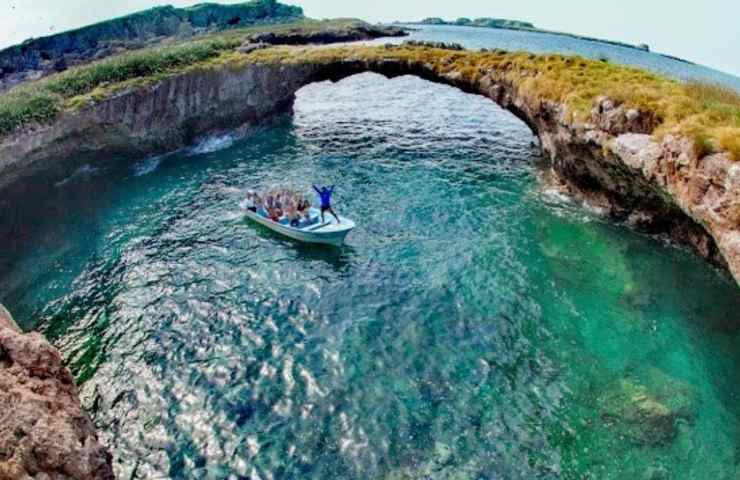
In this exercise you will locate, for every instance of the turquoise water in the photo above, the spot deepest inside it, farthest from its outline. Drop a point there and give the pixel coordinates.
(476, 325)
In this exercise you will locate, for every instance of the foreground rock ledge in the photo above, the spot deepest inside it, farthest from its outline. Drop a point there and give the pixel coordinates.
(610, 158)
(44, 433)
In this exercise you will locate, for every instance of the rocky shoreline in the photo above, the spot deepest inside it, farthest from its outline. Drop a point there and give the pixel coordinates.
(44, 432)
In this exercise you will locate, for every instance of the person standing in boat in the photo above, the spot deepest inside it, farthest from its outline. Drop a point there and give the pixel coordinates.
(325, 196)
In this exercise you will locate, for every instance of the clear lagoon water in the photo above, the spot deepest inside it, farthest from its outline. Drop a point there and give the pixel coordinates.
(477, 325)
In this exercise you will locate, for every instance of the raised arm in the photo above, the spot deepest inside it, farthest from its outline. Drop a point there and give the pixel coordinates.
(317, 190)
(331, 189)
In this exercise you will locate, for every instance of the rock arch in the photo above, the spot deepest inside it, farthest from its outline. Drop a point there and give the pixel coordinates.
(610, 158)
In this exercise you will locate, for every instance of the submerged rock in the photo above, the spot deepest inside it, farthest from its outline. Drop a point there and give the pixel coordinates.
(644, 415)
(44, 433)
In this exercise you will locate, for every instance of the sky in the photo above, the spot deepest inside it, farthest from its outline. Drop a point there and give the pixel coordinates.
(706, 32)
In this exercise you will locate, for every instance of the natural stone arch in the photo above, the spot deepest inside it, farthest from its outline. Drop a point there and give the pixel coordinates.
(609, 158)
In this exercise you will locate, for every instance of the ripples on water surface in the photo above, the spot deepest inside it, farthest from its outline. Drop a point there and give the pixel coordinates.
(474, 327)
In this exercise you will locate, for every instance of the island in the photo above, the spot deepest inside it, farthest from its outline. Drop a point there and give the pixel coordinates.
(485, 22)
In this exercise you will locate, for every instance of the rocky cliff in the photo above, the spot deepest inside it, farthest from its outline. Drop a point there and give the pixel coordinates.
(42, 56)
(663, 184)
(44, 433)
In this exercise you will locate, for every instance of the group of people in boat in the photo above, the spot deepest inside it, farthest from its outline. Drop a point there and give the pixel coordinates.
(288, 207)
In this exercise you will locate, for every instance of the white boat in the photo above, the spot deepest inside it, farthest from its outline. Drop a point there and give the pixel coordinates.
(328, 232)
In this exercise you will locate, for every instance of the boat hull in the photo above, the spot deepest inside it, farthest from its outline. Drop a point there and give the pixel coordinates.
(328, 233)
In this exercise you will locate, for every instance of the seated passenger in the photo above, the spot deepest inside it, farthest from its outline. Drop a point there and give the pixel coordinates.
(293, 216)
(274, 213)
(251, 201)
(306, 220)
(303, 205)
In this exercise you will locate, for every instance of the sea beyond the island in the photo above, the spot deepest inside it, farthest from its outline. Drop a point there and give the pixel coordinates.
(478, 323)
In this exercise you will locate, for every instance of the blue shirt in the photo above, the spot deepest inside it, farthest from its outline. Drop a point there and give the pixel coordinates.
(325, 195)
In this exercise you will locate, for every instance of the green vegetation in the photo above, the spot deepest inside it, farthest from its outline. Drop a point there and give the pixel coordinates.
(41, 101)
(135, 65)
(23, 106)
(141, 26)
(710, 115)
(241, 14)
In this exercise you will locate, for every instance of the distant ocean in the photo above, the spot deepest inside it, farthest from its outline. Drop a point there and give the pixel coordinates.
(538, 42)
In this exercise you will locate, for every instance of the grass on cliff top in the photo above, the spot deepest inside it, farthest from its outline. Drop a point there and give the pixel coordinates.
(43, 100)
(708, 114)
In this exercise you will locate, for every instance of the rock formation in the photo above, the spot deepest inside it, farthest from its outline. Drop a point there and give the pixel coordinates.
(663, 186)
(43, 431)
(42, 56)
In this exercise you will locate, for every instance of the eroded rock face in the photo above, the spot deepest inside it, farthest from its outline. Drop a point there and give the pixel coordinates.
(43, 431)
(157, 119)
(660, 186)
